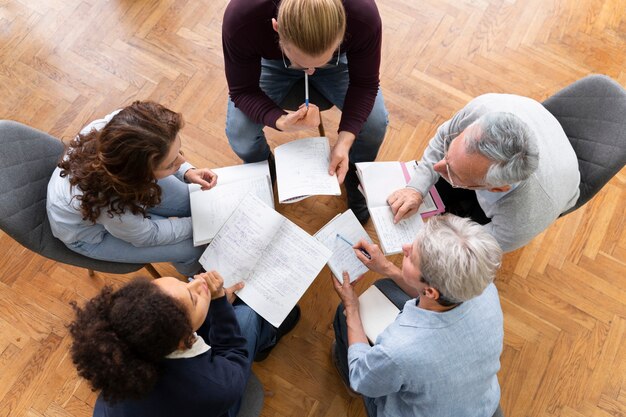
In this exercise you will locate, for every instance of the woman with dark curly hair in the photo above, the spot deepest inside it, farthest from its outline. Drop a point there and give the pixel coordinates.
(120, 193)
(167, 348)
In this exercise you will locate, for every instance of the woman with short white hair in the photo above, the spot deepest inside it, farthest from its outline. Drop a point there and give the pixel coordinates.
(441, 355)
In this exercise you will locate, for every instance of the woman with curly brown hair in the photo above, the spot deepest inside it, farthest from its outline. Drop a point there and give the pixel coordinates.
(120, 192)
(167, 348)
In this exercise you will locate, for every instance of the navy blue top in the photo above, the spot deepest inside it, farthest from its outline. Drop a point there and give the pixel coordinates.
(206, 385)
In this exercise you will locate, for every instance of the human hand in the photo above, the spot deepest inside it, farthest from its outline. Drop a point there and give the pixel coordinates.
(346, 292)
(304, 118)
(204, 177)
(377, 261)
(404, 203)
(230, 291)
(215, 282)
(339, 156)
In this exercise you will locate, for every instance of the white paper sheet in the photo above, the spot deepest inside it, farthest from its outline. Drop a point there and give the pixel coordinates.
(302, 170)
(275, 258)
(393, 236)
(211, 208)
(343, 258)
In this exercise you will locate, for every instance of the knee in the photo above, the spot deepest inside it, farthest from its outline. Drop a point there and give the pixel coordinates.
(375, 127)
(247, 319)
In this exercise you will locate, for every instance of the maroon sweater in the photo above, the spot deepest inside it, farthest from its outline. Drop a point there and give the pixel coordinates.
(248, 36)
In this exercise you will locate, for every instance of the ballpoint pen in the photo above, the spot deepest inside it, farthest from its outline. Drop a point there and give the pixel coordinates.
(363, 251)
(306, 89)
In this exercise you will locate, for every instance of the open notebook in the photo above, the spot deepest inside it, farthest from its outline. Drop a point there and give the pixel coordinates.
(302, 170)
(211, 208)
(339, 235)
(378, 181)
(276, 259)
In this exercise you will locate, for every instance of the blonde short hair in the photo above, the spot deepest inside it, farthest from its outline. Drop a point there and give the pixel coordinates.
(312, 26)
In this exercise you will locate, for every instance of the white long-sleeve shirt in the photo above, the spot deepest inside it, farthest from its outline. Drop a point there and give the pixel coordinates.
(68, 225)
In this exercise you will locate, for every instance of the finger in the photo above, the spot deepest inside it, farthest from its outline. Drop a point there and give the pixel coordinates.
(332, 167)
(203, 184)
(235, 287)
(402, 212)
(396, 205)
(342, 170)
(368, 246)
(301, 112)
(217, 278)
(360, 256)
(360, 244)
(346, 279)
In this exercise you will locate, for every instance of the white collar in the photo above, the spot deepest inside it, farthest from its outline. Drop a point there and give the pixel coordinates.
(198, 348)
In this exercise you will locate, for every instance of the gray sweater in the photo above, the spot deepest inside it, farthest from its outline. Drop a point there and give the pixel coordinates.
(527, 210)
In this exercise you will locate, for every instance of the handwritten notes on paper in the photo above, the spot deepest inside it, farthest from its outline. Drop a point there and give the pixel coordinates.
(276, 259)
(302, 170)
(343, 258)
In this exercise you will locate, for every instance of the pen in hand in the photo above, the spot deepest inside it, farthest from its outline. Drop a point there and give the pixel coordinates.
(363, 251)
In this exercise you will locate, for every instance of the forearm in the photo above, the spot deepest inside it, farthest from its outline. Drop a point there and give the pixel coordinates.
(144, 232)
(356, 333)
(346, 139)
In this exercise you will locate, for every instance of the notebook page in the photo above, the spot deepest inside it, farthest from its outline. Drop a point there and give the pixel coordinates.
(211, 208)
(393, 236)
(302, 170)
(286, 269)
(242, 240)
(343, 257)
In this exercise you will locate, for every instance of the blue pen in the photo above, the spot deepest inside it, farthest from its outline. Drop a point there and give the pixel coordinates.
(306, 89)
(363, 251)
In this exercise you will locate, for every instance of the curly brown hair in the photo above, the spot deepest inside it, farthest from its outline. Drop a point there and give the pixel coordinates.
(114, 167)
(121, 337)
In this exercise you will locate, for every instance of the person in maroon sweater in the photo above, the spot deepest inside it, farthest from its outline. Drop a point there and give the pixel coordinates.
(270, 44)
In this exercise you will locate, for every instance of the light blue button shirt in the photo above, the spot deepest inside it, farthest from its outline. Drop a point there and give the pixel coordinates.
(430, 364)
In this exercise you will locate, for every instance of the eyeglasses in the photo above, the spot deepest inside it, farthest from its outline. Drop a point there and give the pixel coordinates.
(447, 140)
(329, 64)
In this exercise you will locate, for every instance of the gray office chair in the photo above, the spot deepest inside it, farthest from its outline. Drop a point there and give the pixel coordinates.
(252, 401)
(498, 412)
(295, 97)
(27, 159)
(592, 112)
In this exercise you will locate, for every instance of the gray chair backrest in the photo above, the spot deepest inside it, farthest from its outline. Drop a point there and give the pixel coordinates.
(592, 112)
(27, 159)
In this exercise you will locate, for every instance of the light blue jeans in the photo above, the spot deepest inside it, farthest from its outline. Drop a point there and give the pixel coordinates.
(247, 139)
(183, 255)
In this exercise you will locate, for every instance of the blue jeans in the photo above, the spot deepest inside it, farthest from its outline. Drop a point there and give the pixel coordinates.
(247, 139)
(398, 298)
(183, 255)
(259, 335)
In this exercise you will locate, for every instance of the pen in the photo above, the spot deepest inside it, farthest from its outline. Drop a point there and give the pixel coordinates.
(306, 89)
(363, 251)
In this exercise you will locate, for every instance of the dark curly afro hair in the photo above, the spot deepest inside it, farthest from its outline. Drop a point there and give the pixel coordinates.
(121, 337)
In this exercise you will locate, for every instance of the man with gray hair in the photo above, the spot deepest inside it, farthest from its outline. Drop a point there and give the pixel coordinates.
(441, 355)
(505, 162)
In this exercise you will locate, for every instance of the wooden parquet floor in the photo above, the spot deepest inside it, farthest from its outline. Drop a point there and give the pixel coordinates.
(65, 62)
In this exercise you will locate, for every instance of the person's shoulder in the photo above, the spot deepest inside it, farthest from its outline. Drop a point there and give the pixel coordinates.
(362, 12)
(240, 13)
